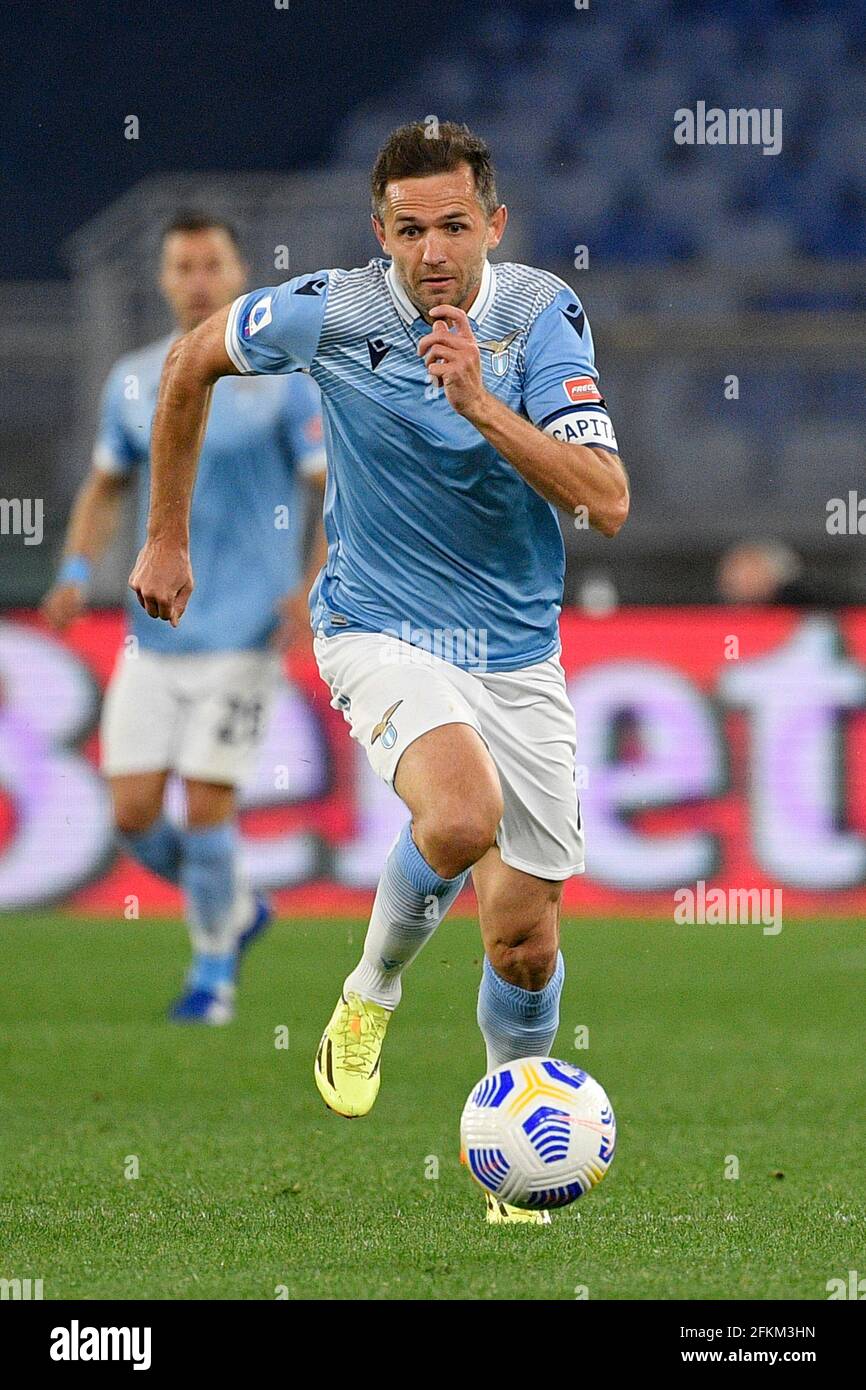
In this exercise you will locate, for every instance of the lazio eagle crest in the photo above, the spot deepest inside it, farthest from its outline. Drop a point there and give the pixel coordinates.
(499, 349)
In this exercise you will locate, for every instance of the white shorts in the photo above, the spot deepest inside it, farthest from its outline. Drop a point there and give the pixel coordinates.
(391, 693)
(201, 716)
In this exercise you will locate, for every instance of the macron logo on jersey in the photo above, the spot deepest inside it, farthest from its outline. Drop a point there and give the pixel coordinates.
(576, 317)
(581, 390)
(378, 350)
(260, 316)
(314, 286)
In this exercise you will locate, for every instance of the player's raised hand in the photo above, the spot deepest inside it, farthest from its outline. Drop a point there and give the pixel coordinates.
(452, 358)
(162, 580)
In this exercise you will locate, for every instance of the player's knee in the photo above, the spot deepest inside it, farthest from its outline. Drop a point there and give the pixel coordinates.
(452, 840)
(527, 959)
(524, 944)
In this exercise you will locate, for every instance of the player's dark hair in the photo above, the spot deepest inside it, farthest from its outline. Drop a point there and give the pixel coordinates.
(434, 147)
(191, 220)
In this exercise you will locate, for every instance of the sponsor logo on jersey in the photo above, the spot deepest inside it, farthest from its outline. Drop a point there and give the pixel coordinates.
(581, 389)
(500, 354)
(385, 729)
(259, 317)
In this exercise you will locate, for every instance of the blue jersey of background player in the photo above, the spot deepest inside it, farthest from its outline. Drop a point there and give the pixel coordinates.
(263, 440)
(195, 701)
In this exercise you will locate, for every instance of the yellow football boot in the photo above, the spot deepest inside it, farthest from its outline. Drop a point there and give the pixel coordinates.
(502, 1214)
(347, 1062)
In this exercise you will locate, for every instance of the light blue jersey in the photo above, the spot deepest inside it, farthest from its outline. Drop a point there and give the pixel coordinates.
(247, 509)
(430, 531)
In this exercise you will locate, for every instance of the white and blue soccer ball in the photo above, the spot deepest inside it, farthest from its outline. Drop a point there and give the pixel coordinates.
(538, 1132)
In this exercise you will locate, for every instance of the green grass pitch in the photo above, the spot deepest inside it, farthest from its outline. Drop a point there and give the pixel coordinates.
(711, 1041)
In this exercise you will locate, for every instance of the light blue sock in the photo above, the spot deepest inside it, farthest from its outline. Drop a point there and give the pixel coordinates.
(518, 1022)
(207, 877)
(411, 901)
(159, 848)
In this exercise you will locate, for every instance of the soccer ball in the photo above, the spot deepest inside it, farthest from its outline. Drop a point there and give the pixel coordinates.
(538, 1133)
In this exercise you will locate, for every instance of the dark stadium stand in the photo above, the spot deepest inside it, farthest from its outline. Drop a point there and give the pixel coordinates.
(600, 126)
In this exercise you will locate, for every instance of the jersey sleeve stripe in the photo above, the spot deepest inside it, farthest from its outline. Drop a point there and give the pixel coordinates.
(234, 347)
(595, 406)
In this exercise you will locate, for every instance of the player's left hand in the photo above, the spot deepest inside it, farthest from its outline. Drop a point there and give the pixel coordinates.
(294, 626)
(452, 358)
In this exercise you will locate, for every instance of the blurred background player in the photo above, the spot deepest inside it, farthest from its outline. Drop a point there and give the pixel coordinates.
(195, 701)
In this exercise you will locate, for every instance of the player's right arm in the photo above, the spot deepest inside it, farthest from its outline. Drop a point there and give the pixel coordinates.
(270, 330)
(162, 576)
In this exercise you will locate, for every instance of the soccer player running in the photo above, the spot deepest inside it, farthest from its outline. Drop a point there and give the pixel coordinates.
(195, 702)
(461, 408)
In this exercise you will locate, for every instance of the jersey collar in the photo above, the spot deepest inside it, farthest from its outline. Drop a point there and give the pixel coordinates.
(480, 306)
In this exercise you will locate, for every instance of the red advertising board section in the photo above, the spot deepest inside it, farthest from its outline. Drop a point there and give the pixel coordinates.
(715, 745)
